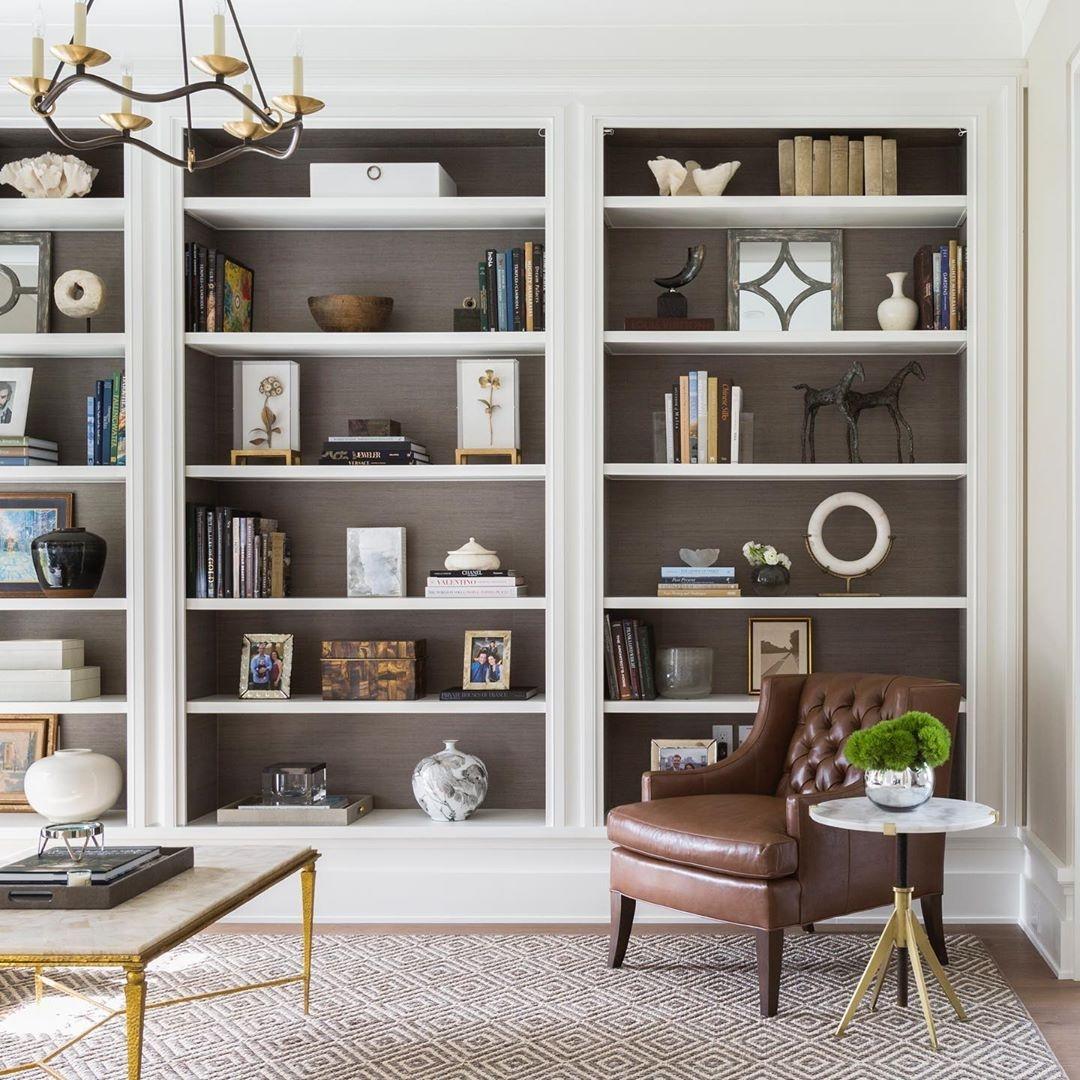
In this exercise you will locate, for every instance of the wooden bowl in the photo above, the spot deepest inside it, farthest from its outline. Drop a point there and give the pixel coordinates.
(343, 313)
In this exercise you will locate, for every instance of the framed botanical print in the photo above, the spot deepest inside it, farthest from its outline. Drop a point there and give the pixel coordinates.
(25, 515)
(778, 645)
(24, 739)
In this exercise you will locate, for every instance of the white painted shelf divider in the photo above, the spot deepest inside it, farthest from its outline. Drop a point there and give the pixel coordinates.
(792, 471)
(76, 346)
(775, 211)
(371, 603)
(854, 602)
(310, 704)
(317, 344)
(784, 342)
(522, 212)
(62, 215)
(64, 474)
(105, 705)
(367, 473)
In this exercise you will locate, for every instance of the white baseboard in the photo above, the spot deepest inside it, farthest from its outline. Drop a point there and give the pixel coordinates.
(1047, 905)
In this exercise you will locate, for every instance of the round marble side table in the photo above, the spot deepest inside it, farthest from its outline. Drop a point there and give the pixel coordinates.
(903, 932)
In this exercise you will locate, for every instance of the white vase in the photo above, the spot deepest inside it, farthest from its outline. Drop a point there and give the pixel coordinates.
(450, 785)
(898, 312)
(73, 785)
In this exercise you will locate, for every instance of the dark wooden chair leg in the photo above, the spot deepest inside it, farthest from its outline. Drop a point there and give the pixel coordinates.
(622, 920)
(808, 927)
(935, 927)
(770, 952)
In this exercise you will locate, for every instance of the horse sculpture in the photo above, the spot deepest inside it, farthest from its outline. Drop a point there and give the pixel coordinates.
(837, 395)
(888, 397)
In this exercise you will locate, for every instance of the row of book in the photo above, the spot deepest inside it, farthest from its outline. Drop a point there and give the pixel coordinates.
(838, 165)
(941, 286)
(697, 581)
(701, 417)
(23, 450)
(106, 422)
(475, 584)
(513, 295)
(373, 450)
(218, 292)
(234, 554)
(628, 660)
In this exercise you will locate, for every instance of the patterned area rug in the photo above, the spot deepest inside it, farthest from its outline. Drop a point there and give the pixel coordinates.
(533, 1007)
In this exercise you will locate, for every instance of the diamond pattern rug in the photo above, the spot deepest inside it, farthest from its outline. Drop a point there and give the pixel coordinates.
(532, 1007)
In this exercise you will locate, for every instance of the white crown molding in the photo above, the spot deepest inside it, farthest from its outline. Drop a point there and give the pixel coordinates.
(1031, 14)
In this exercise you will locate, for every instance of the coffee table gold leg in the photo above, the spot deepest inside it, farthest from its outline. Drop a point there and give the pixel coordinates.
(883, 971)
(880, 956)
(135, 1002)
(39, 986)
(922, 942)
(920, 981)
(307, 893)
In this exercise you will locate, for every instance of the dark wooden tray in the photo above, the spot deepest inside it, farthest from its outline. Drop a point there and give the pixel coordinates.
(171, 862)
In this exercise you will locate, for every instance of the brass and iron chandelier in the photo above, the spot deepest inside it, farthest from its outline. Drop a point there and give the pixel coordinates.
(260, 118)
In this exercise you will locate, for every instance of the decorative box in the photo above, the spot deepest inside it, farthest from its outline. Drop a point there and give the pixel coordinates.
(385, 179)
(373, 670)
(294, 784)
(53, 684)
(53, 654)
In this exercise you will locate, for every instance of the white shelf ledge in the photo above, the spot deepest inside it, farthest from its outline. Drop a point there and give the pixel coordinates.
(309, 704)
(75, 346)
(63, 603)
(63, 474)
(318, 344)
(775, 211)
(26, 826)
(62, 215)
(794, 471)
(713, 704)
(369, 213)
(104, 705)
(366, 473)
(785, 343)
(788, 603)
(372, 603)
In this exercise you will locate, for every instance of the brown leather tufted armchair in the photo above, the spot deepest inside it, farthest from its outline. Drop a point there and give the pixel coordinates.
(735, 841)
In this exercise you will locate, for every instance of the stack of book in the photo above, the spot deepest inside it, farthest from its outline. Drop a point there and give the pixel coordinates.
(476, 584)
(47, 670)
(839, 165)
(701, 415)
(628, 659)
(512, 290)
(941, 286)
(697, 581)
(235, 554)
(97, 866)
(218, 291)
(106, 422)
(373, 450)
(22, 450)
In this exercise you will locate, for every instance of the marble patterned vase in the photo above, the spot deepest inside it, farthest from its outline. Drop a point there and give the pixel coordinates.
(450, 785)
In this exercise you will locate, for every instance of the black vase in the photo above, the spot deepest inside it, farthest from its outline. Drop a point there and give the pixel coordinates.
(69, 562)
(770, 580)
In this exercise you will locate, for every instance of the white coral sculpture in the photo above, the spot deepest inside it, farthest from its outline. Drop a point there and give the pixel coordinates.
(50, 176)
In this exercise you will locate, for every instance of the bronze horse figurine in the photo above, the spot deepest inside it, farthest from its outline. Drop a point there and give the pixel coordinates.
(888, 397)
(837, 395)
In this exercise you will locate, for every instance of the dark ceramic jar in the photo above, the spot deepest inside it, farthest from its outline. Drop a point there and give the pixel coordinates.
(770, 580)
(69, 562)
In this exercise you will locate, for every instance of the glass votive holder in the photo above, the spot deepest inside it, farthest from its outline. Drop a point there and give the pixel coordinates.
(684, 672)
(294, 784)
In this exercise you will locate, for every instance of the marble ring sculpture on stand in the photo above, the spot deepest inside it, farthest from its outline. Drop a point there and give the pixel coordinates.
(79, 294)
(849, 569)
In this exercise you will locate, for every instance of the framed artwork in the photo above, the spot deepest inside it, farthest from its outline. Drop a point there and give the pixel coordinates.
(487, 660)
(25, 280)
(375, 562)
(266, 405)
(14, 399)
(237, 297)
(785, 279)
(266, 666)
(24, 739)
(487, 401)
(25, 515)
(682, 755)
(778, 645)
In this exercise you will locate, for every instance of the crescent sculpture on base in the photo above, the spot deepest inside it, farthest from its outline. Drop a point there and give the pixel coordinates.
(672, 304)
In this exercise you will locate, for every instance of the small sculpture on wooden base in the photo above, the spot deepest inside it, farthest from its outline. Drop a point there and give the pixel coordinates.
(671, 307)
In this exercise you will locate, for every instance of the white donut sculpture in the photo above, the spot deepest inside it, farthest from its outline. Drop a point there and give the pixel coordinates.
(849, 568)
(79, 294)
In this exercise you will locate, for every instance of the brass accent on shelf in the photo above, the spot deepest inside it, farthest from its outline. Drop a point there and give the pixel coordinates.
(124, 121)
(298, 104)
(246, 129)
(262, 456)
(848, 578)
(889, 828)
(461, 457)
(29, 85)
(215, 64)
(80, 55)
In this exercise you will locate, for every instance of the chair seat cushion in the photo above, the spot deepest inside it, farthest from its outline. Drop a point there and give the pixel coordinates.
(744, 835)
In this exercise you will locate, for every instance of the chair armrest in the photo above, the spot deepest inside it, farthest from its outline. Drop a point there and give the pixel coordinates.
(755, 768)
(798, 819)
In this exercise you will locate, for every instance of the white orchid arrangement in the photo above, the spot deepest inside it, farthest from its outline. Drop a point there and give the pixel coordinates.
(764, 555)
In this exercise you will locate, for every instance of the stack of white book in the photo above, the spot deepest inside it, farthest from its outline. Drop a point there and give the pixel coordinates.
(47, 670)
(475, 584)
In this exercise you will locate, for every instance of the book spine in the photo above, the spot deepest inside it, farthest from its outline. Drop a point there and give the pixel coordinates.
(945, 314)
(703, 416)
(711, 572)
(187, 285)
(736, 409)
(500, 270)
(936, 271)
(106, 421)
(684, 420)
(461, 575)
(203, 325)
(518, 262)
(629, 637)
(121, 438)
(804, 165)
(225, 559)
(234, 554)
(609, 661)
(647, 653)
(636, 629)
(822, 166)
(890, 179)
(954, 317)
(189, 549)
(277, 564)
(211, 289)
(540, 287)
(923, 271)
(693, 399)
(714, 419)
(669, 429)
(838, 164)
(99, 399)
(90, 430)
(530, 299)
(491, 276)
(114, 423)
(211, 555)
(872, 183)
(249, 557)
(856, 176)
(961, 286)
(787, 166)
(676, 422)
(242, 577)
(485, 317)
(200, 552)
(723, 430)
(622, 664)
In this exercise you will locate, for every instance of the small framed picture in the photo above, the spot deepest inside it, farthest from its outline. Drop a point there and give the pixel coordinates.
(24, 739)
(682, 755)
(25, 515)
(778, 645)
(487, 660)
(266, 666)
(15, 385)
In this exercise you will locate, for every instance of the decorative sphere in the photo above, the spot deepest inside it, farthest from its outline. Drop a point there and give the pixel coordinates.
(73, 785)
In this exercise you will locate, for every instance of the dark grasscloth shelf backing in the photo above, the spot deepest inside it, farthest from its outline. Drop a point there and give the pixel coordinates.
(107, 734)
(16, 143)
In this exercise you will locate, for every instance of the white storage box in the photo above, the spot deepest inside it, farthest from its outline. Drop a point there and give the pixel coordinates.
(52, 653)
(72, 684)
(392, 179)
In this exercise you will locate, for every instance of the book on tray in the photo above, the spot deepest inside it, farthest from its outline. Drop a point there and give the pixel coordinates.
(697, 581)
(105, 865)
(106, 422)
(513, 295)
(475, 584)
(628, 659)
(234, 554)
(701, 418)
(23, 450)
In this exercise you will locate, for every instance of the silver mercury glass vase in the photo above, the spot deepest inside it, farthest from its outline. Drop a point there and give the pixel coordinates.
(450, 785)
(899, 789)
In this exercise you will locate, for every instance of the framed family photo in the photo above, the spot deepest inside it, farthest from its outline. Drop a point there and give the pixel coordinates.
(15, 386)
(24, 739)
(682, 755)
(266, 666)
(25, 515)
(778, 645)
(487, 660)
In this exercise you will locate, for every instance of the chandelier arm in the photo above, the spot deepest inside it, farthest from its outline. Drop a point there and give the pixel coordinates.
(84, 144)
(247, 55)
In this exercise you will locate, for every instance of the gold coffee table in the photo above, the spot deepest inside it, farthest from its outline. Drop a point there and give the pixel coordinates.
(903, 933)
(132, 935)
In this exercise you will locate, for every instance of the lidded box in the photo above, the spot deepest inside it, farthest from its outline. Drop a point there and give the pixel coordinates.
(41, 653)
(380, 179)
(373, 670)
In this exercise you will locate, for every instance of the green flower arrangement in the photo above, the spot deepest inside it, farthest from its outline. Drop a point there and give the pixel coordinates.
(911, 740)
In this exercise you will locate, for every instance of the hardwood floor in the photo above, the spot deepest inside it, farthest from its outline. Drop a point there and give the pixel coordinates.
(1054, 1004)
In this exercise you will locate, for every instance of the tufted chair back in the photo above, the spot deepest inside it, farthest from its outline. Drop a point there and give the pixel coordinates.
(832, 706)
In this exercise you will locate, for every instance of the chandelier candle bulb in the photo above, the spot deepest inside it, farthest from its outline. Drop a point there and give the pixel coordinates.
(125, 81)
(37, 47)
(78, 37)
(298, 66)
(219, 30)
(247, 111)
